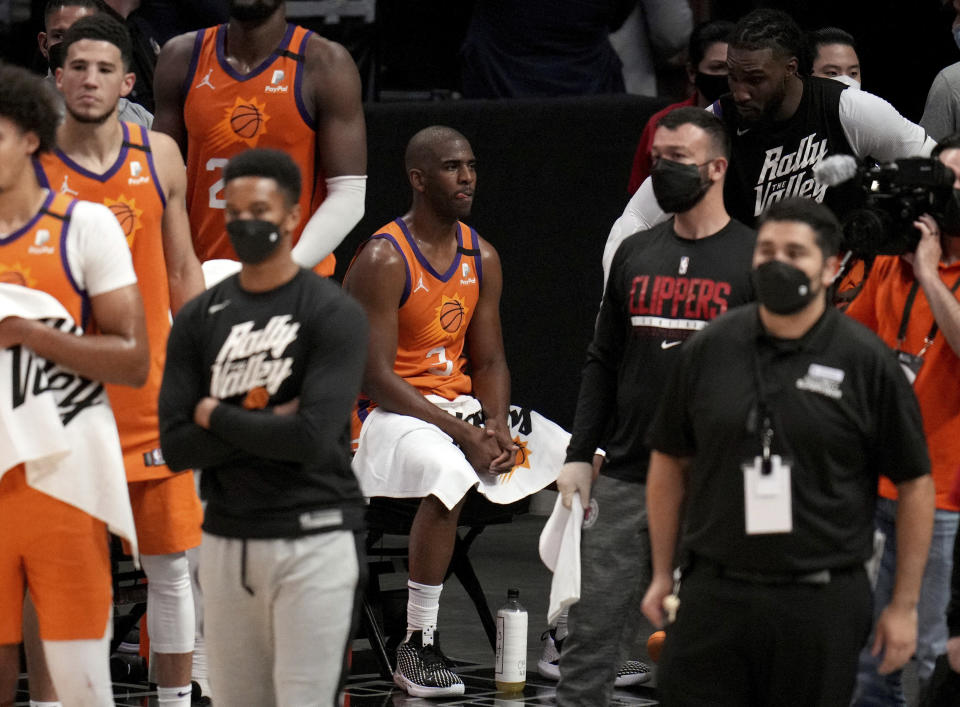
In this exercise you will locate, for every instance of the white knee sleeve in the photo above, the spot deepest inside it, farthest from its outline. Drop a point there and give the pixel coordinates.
(170, 613)
(81, 671)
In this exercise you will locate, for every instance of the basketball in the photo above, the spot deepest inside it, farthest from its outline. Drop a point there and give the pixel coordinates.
(245, 120)
(654, 644)
(125, 217)
(256, 399)
(451, 315)
(12, 277)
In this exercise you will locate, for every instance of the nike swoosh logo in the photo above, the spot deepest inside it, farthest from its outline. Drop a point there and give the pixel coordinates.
(669, 344)
(184, 694)
(214, 308)
(742, 132)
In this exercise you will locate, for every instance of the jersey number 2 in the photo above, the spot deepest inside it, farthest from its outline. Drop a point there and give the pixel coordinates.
(216, 202)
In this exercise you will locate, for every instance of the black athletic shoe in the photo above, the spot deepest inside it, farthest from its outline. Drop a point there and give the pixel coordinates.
(422, 669)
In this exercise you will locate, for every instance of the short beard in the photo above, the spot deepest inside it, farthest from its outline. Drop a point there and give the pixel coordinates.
(91, 119)
(254, 12)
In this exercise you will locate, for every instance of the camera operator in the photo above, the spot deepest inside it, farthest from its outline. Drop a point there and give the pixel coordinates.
(910, 301)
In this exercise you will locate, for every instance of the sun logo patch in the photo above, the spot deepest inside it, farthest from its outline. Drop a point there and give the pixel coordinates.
(520, 461)
(450, 316)
(16, 274)
(245, 121)
(127, 214)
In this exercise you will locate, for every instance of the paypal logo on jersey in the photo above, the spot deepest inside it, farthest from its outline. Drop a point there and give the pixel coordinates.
(465, 278)
(40, 246)
(278, 76)
(135, 169)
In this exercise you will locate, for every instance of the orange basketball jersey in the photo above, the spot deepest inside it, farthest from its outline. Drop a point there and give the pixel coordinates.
(435, 311)
(131, 190)
(36, 256)
(226, 112)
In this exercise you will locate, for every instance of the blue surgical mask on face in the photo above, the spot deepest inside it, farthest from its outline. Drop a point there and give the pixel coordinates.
(956, 35)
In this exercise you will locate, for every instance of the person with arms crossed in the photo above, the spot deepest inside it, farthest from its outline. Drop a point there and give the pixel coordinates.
(665, 284)
(259, 81)
(55, 544)
(771, 433)
(910, 301)
(262, 370)
(139, 175)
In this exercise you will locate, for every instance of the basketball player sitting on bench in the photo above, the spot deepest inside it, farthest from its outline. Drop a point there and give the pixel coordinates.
(431, 289)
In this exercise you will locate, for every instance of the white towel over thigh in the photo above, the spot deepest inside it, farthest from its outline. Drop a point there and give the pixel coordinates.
(399, 456)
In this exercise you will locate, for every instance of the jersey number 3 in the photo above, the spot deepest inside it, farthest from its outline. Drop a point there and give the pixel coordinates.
(443, 367)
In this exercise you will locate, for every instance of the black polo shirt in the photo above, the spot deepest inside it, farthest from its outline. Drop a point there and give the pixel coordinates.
(842, 413)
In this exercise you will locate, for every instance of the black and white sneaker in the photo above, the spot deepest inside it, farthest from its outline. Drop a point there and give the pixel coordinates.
(422, 667)
(632, 672)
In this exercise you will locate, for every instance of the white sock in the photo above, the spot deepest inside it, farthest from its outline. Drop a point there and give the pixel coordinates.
(423, 606)
(198, 671)
(37, 703)
(174, 696)
(561, 631)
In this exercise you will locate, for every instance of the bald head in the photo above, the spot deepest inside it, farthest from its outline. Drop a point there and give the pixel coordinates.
(425, 146)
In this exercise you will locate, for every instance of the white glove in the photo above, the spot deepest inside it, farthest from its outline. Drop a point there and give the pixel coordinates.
(574, 477)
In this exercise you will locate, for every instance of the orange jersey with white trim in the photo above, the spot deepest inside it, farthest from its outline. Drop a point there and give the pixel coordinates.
(131, 190)
(35, 255)
(434, 314)
(226, 112)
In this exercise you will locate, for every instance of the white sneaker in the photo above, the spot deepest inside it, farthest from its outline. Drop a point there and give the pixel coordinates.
(632, 672)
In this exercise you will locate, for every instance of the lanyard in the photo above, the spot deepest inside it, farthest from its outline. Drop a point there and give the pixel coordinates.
(905, 319)
(759, 418)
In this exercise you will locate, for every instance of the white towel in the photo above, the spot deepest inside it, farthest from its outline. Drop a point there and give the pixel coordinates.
(399, 456)
(64, 430)
(560, 552)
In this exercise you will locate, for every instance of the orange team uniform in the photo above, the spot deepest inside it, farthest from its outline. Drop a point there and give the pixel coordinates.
(131, 190)
(434, 314)
(49, 536)
(226, 112)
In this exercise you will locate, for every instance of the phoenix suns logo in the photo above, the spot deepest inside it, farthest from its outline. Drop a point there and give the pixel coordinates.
(127, 214)
(245, 121)
(450, 317)
(16, 274)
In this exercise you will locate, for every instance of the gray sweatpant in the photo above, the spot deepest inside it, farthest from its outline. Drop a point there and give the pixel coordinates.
(614, 574)
(277, 621)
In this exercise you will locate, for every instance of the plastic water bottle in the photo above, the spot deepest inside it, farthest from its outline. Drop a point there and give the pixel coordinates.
(510, 672)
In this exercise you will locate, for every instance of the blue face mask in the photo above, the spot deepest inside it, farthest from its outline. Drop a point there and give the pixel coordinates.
(956, 36)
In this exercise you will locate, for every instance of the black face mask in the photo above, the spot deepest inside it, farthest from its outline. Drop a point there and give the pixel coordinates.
(782, 288)
(254, 240)
(951, 215)
(677, 186)
(55, 57)
(712, 86)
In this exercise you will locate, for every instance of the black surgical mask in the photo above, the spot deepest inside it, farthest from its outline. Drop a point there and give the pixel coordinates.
(782, 288)
(712, 86)
(677, 186)
(254, 240)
